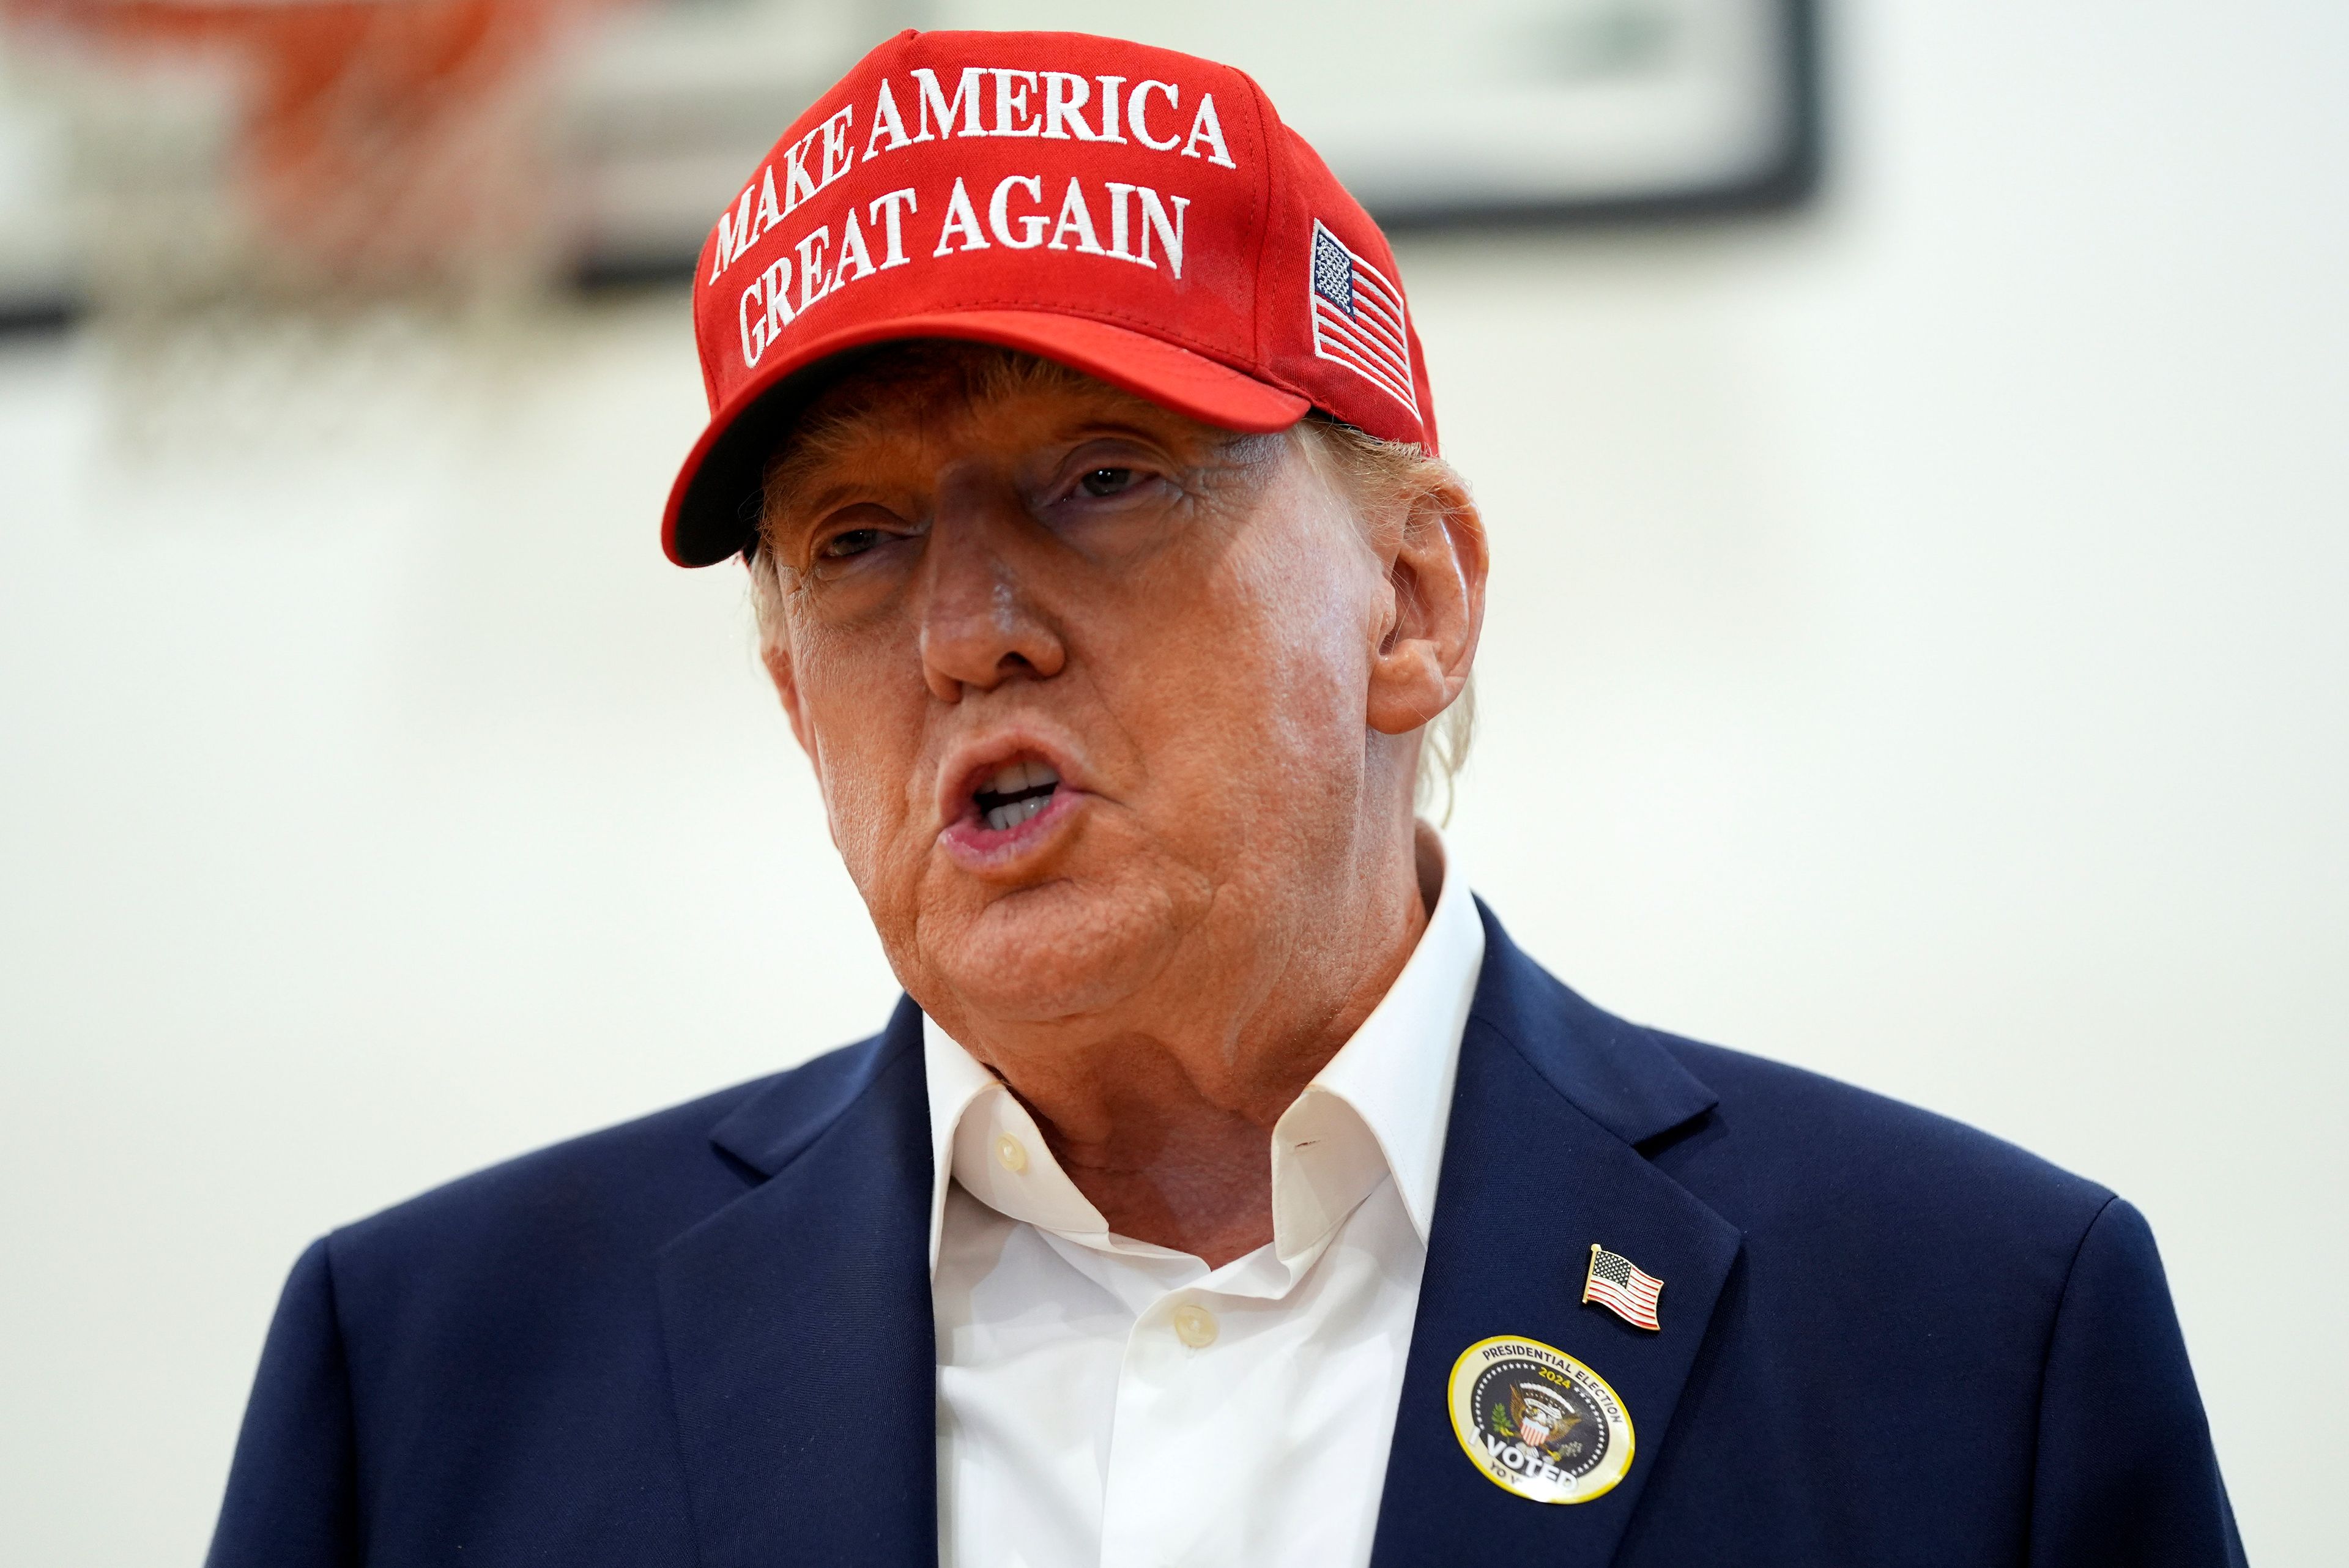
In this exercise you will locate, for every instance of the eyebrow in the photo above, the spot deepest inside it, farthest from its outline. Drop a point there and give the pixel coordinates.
(1223, 446)
(781, 499)
(822, 502)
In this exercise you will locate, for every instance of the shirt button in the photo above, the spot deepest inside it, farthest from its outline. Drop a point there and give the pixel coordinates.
(1194, 1325)
(1010, 1155)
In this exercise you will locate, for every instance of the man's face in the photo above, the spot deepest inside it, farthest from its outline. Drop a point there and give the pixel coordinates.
(1084, 681)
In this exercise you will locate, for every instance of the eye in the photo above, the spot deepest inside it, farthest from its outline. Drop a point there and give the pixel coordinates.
(849, 543)
(1107, 481)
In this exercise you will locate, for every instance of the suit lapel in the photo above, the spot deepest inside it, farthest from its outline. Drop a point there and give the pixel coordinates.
(798, 1322)
(1553, 1096)
(802, 1353)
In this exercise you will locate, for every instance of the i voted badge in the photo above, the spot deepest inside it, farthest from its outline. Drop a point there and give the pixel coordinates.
(1537, 1422)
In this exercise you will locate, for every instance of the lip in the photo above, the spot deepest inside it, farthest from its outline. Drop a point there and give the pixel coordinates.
(964, 834)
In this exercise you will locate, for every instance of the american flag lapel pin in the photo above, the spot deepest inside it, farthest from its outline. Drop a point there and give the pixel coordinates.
(1616, 1283)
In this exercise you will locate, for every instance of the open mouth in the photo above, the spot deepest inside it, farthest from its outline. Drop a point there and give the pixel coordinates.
(1017, 792)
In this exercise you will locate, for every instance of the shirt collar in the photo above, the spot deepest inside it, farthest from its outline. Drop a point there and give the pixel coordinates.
(1379, 1107)
(1396, 1073)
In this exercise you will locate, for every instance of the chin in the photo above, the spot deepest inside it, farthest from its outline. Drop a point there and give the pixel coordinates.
(1058, 951)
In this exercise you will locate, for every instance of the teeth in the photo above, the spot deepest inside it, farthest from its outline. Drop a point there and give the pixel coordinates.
(1013, 777)
(1003, 818)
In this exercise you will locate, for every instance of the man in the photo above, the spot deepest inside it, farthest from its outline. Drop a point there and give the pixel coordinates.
(1229, 1188)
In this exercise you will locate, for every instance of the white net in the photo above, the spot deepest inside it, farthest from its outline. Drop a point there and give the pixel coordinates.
(265, 196)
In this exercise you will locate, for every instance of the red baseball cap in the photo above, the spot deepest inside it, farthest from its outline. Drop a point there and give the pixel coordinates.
(1138, 214)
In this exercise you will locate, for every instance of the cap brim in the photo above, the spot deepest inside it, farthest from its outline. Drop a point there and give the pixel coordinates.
(713, 508)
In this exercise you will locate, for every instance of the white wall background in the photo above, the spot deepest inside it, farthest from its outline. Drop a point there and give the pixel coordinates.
(1918, 652)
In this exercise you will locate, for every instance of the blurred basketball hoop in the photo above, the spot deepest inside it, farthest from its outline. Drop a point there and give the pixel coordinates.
(310, 148)
(292, 217)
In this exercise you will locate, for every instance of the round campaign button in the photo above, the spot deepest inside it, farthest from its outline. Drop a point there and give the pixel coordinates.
(1537, 1422)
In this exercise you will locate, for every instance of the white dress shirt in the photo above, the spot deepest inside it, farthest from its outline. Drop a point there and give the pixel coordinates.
(1105, 1402)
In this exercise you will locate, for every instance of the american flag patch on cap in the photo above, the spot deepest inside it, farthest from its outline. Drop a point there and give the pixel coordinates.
(1616, 1283)
(1357, 319)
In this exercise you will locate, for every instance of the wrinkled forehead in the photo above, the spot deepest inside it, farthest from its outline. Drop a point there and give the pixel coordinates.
(919, 385)
(906, 399)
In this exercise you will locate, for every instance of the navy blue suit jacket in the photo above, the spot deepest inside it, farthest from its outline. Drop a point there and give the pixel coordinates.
(705, 1338)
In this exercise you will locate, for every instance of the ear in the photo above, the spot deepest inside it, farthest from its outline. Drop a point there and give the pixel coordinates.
(1436, 572)
(777, 657)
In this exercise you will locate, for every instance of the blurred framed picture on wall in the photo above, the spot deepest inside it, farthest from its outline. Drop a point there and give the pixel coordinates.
(1484, 110)
(1474, 111)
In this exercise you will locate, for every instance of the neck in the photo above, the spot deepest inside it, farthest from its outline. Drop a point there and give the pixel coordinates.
(1162, 1111)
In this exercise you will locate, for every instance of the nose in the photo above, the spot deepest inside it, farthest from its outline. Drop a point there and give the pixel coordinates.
(980, 624)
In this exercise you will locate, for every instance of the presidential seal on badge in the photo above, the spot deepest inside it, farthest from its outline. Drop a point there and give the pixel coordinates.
(1537, 1422)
